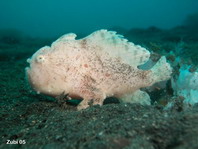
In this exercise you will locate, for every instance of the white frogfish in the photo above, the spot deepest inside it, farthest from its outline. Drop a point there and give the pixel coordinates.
(101, 65)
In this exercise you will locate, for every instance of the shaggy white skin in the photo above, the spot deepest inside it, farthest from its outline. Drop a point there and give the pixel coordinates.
(100, 65)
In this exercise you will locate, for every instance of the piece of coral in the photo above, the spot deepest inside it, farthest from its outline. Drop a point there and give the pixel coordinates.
(100, 65)
(186, 85)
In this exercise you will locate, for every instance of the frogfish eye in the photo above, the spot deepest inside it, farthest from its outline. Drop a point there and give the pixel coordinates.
(40, 59)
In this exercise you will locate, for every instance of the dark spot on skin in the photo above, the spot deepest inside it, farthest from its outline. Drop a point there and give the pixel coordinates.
(86, 66)
(65, 78)
(107, 75)
(58, 64)
(84, 43)
(143, 75)
(93, 80)
(77, 57)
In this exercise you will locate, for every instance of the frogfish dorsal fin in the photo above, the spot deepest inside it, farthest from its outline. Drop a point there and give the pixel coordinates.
(116, 46)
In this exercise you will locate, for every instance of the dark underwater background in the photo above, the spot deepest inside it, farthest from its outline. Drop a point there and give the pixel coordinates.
(164, 27)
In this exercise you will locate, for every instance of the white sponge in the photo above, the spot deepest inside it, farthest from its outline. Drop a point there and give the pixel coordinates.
(186, 85)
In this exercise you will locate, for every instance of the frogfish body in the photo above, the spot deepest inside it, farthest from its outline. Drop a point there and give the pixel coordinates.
(100, 65)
